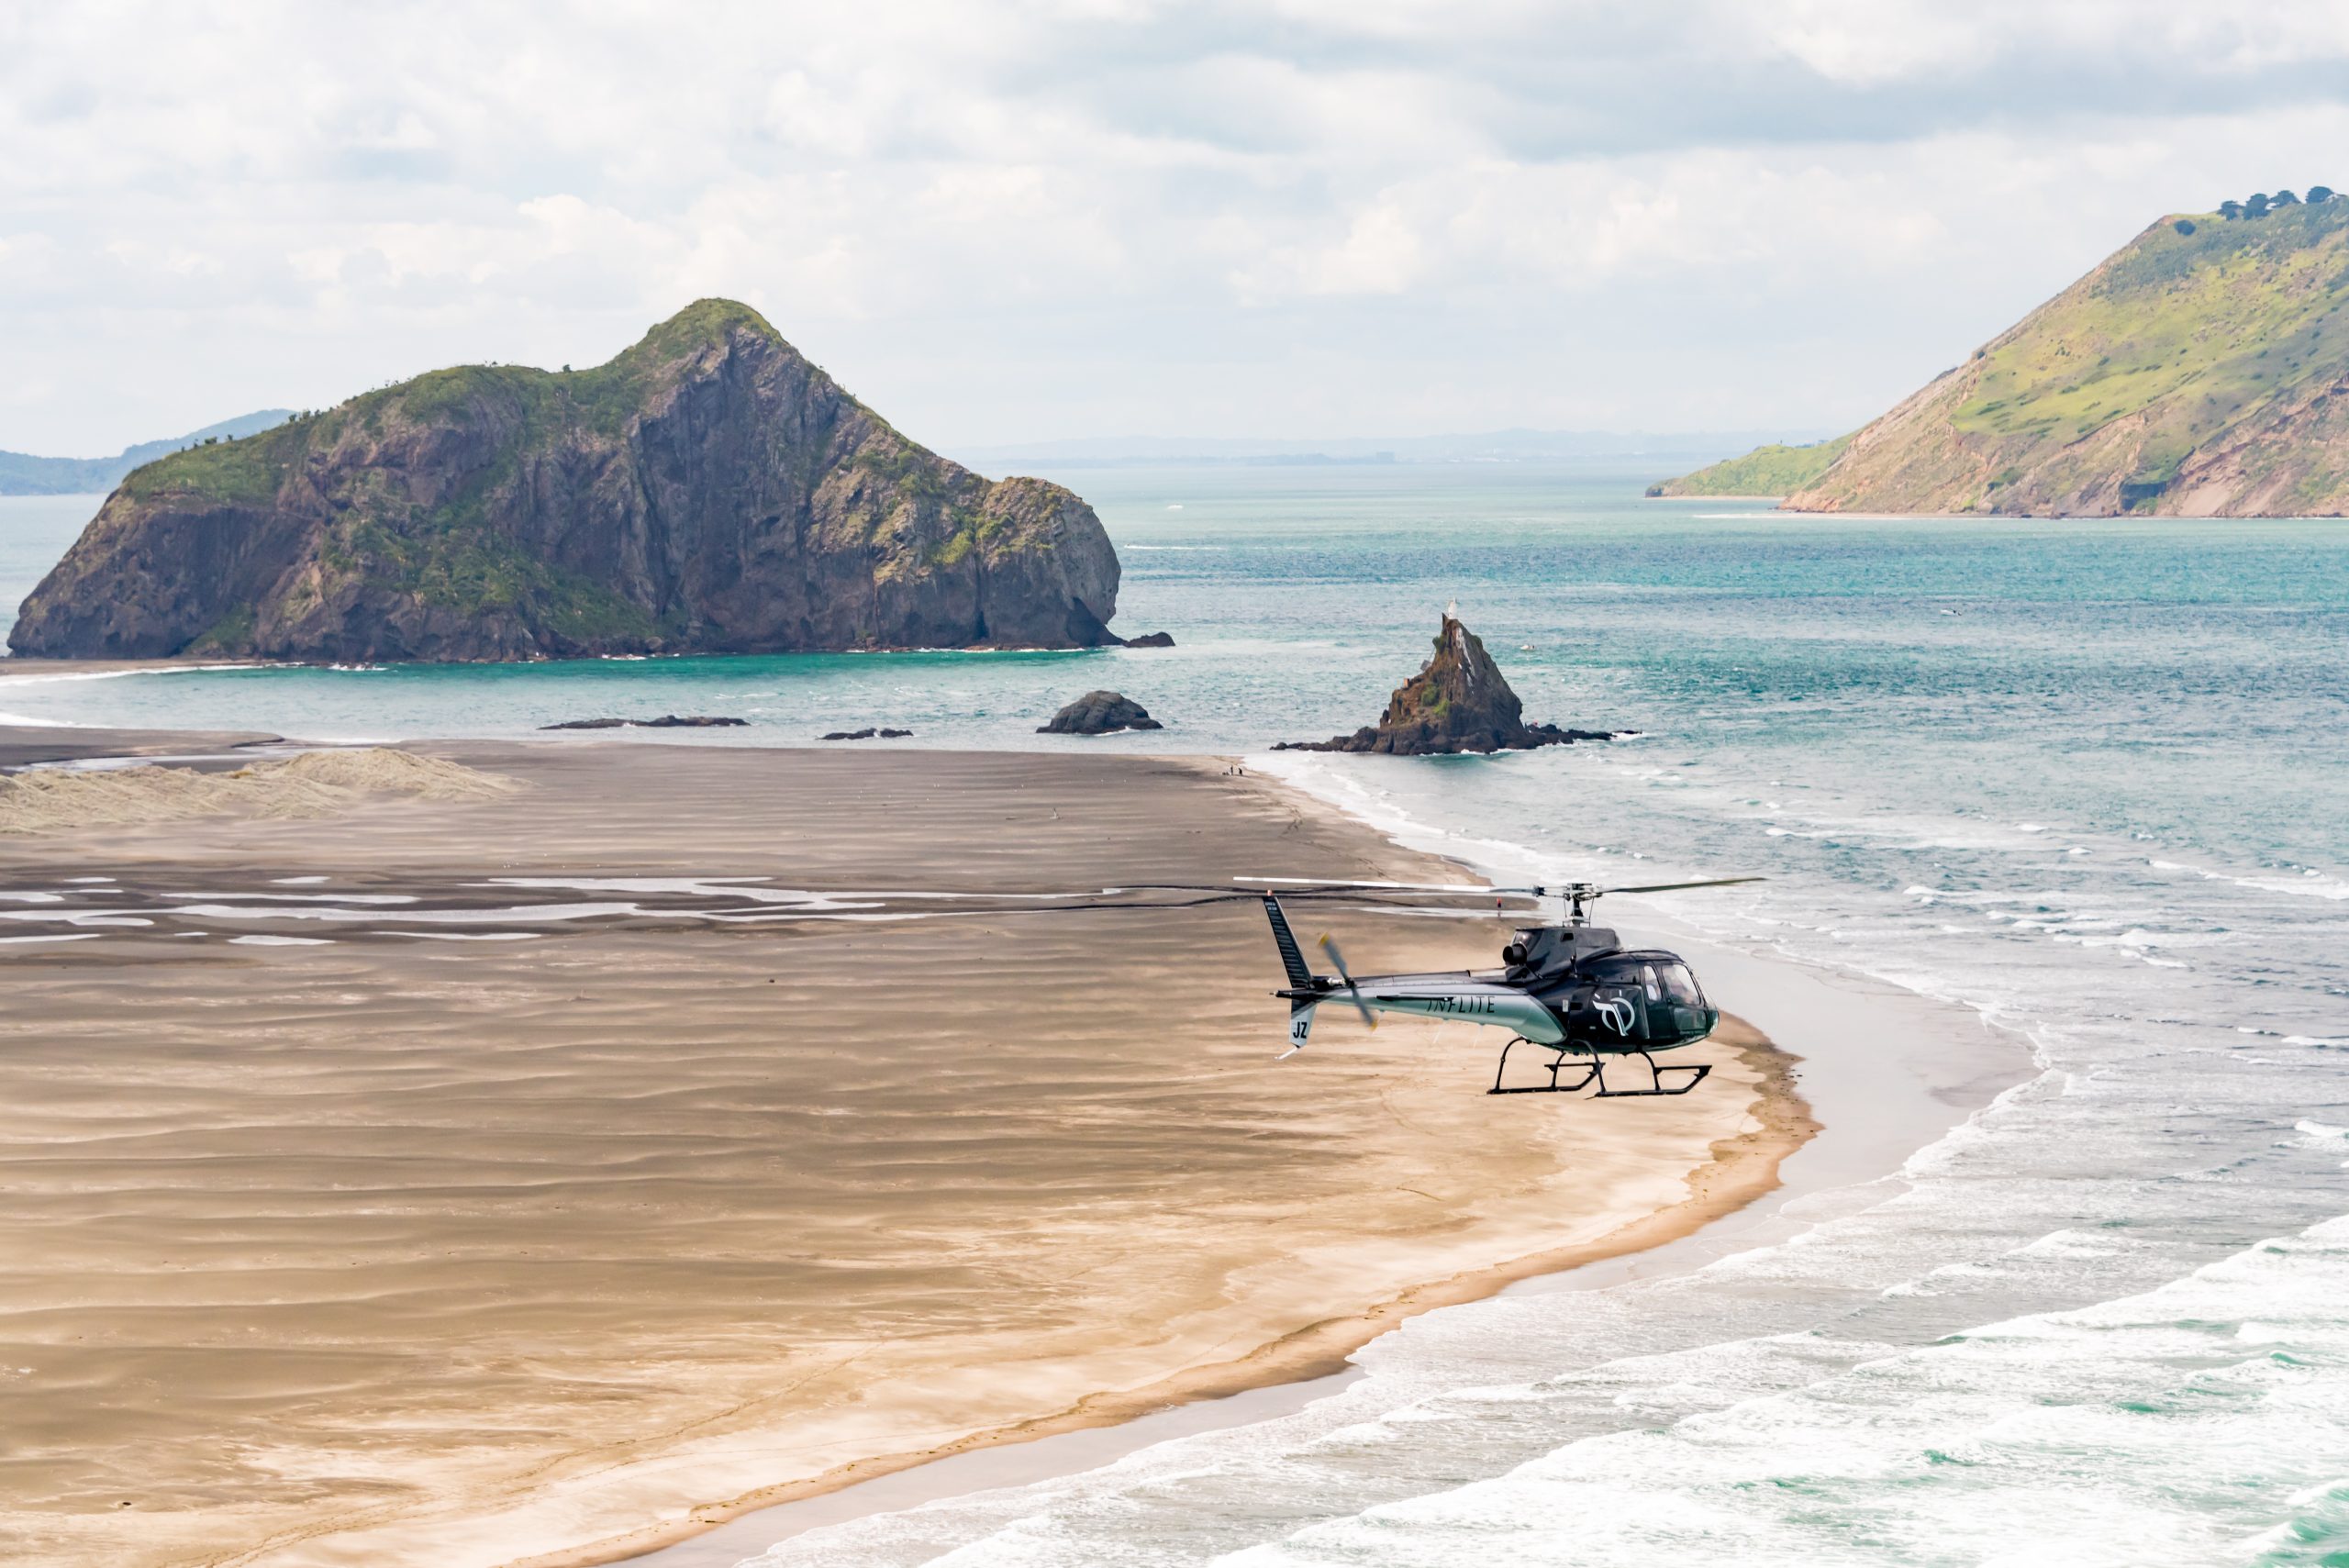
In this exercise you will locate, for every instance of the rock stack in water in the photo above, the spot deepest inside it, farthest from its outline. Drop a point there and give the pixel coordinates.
(1458, 702)
(1100, 713)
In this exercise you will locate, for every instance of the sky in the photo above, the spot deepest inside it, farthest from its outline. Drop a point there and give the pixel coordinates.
(1001, 222)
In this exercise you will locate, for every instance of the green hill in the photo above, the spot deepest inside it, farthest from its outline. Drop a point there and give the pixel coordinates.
(1765, 471)
(2199, 371)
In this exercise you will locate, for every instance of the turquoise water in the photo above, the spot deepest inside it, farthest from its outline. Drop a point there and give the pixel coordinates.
(2167, 662)
(2090, 779)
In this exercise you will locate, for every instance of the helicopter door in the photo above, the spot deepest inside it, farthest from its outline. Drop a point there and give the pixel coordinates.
(1620, 997)
(1655, 1018)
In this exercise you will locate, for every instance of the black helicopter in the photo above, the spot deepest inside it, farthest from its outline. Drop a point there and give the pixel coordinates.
(1572, 989)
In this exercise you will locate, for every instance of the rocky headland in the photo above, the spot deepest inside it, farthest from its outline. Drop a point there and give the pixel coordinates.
(707, 491)
(1458, 702)
(2201, 370)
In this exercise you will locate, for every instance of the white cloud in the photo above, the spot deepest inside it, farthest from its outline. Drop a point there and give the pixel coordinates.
(1081, 216)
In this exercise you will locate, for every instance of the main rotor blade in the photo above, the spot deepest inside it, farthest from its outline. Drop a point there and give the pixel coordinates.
(1548, 890)
(1462, 888)
(1352, 990)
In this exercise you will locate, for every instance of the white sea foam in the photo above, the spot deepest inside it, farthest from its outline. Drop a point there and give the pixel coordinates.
(28, 721)
(1881, 1386)
(141, 672)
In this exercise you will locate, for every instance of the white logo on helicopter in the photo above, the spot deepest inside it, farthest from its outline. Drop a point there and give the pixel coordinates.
(1617, 1012)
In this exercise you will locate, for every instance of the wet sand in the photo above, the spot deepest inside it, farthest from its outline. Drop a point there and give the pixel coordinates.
(391, 1250)
(1886, 1071)
(21, 744)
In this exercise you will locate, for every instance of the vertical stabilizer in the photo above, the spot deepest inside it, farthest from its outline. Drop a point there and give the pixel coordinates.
(1300, 978)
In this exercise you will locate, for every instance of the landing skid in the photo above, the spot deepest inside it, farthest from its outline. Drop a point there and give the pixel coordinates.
(1596, 1073)
(1557, 1063)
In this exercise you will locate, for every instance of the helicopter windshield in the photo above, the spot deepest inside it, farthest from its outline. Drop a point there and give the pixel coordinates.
(1679, 985)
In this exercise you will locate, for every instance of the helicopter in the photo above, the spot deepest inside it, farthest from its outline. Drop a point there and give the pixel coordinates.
(1570, 988)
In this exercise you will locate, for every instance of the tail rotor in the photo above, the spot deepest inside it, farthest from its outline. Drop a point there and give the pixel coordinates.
(1353, 992)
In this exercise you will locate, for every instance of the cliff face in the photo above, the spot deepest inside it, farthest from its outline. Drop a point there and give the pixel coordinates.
(1458, 702)
(2200, 371)
(707, 491)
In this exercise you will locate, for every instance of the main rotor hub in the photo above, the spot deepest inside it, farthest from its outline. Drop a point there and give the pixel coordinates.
(1576, 894)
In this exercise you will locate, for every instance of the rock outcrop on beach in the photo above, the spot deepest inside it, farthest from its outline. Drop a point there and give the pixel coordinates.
(707, 491)
(2200, 371)
(1152, 639)
(868, 733)
(1458, 702)
(666, 721)
(1100, 713)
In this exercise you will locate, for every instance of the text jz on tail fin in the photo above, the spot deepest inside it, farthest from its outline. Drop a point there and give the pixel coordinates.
(1300, 1024)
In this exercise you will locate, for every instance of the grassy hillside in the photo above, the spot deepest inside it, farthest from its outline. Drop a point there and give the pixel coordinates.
(1768, 471)
(2195, 372)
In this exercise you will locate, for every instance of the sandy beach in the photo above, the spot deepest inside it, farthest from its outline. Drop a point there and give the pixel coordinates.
(334, 1240)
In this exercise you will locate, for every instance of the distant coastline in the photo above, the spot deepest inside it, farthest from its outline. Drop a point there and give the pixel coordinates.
(21, 473)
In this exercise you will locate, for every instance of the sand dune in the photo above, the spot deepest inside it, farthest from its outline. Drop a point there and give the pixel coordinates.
(312, 784)
(388, 1251)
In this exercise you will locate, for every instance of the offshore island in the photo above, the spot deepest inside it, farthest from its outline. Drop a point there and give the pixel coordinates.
(708, 490)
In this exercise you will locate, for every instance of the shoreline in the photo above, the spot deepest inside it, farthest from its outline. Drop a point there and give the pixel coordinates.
(1742, 1168)
(1753, 1184)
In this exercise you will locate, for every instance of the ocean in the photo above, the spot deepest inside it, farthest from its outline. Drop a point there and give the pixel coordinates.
(2088, 779)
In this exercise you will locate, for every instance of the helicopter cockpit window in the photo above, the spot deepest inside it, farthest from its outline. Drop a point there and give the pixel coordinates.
(1680, 986)
(1650, 984)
